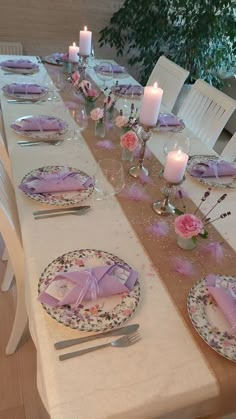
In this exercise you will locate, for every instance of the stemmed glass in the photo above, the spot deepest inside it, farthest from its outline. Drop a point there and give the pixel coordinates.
(109, 178)
(177, 142)
(104, 71)
(80, 117)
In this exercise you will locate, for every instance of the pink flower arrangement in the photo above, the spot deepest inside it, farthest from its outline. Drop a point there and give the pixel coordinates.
(129, 140)
(188, 226)
(85, 88)
(75, 77)
(121, 121)
(97, 114)
(65, 57)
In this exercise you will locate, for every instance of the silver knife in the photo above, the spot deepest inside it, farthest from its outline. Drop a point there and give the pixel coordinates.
(116, 332)
(51, 211)
(60, 214)
(26, 101)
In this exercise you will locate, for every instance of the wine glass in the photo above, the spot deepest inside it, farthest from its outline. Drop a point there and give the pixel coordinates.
(177, 142)
(80, 117)
(104, 72)
(109, 178)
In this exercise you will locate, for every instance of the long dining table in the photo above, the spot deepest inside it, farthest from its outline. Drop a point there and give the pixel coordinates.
(165, 374)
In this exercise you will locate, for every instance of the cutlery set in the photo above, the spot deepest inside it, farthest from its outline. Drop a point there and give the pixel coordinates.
(39, 142)
(39, 215)
(26, 101)
(130, 337)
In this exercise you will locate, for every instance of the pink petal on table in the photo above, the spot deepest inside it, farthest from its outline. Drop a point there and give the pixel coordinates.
(159, 229)
(107, 144)
(215, 250)
(135, 193)
(182, 266)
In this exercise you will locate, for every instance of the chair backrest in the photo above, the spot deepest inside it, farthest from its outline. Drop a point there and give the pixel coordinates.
(170, 77)
(205, 111)
(229, 152)
(9, 222)
(11, 48)
(5, 158)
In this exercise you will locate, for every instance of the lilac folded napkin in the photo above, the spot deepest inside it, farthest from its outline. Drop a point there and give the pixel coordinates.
(127, 89)
(169, 120)
(213, 168)
(55, 182)
(107, 69)
(88, 284)
(24, 88)
(26, 64)
(224, 294)
(41, 123)
(57, 56)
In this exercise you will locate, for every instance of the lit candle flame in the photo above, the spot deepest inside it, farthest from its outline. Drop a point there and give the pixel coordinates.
(155, 86)
(179, 152)
(85, 28)
(74, 44)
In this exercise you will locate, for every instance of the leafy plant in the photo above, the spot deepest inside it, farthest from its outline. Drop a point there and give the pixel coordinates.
(197, 35)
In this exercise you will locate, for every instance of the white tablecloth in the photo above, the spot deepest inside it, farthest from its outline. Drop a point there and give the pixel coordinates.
(164, 375)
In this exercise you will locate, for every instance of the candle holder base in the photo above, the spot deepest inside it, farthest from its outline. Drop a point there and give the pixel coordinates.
(83, 66)
(140, 170)
(165, 207)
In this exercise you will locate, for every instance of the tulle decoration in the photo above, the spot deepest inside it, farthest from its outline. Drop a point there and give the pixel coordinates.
(107, 144)
(135, 193)
(159, 229)
(182, 266)
(215, 250)
(148, 153)
(146, 180)
(71, 105)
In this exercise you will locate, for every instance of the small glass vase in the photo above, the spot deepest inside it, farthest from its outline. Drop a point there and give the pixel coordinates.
(186, 244)
(67, 67)
(89, 105)
(127, 155)
(100, 129)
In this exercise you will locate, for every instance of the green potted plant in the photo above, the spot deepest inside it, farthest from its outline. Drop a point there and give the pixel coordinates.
(197, 35)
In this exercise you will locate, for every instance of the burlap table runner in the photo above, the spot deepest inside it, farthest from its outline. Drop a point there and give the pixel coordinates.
(160, 250)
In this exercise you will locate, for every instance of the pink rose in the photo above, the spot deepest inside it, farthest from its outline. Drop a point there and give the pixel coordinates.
(75, 78)
(97, 114)
(129, 140)
(121, 121)
(92, 93)
(188, 225)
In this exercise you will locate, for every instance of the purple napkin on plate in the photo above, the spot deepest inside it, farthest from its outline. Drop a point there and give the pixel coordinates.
(26, 64)
(40, 123)
(57, 56)
(169, 120)
(127, 89)
(213, 168)
(107, 69)
(24, 88)
(88, 284)
(55, 182)
(224, 294)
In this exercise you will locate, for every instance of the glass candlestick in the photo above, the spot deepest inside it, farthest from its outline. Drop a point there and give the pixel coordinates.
(139, 169)
(83, 66)
(165, 207)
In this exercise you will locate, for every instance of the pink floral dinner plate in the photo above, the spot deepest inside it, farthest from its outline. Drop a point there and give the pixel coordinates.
(59, 198)
(94, 316)
(209, 321)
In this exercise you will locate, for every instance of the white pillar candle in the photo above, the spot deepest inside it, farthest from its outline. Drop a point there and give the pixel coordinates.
(73, 53)
(85, 42)
(175, 166)
(150, 105)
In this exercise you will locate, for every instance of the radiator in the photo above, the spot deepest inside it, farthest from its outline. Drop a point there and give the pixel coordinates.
(11, 48)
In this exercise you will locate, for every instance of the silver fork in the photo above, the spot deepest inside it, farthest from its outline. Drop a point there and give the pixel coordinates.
(127, 340)
(35, 143)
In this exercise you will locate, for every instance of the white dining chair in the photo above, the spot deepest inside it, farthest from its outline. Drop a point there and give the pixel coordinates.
(170, 77)
(11, 48)
(10, 230)
(205, 111)
(229, 152)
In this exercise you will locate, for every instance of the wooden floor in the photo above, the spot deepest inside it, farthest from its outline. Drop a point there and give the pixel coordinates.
(19, 397)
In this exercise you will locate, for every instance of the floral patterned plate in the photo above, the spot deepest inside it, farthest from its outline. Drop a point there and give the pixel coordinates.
(17, 70)
(43, 134)
(59, 198)
(169, 128)
(225, 182)
(208, 320)
(8, 89)
(100, 315)
(54, 59)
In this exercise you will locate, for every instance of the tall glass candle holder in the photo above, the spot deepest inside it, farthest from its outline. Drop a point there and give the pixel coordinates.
(83, 66)
(140, 170)
(165, 207)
